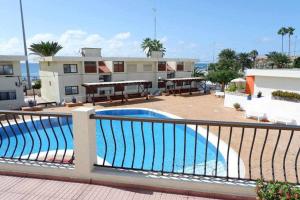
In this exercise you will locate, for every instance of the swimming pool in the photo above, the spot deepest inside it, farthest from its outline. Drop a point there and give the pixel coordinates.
(126, 144)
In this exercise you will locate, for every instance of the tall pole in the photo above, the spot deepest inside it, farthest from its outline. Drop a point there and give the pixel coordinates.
(295, 46)
(25, 46)
(155, 22)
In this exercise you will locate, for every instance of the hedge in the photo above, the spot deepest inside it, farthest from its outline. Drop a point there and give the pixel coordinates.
(286, 95)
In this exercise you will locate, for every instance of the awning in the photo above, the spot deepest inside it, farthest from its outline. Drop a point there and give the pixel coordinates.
(103, 69)
(170, 69)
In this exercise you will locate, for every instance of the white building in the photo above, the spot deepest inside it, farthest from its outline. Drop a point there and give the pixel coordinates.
(11, 89)
(269, 80)
(62, 77)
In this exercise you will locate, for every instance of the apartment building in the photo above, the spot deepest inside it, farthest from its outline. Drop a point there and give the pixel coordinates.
(62, 76)
(11, 89)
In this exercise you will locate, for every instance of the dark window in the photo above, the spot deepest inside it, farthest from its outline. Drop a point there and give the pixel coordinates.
(161, 84)
(180, 66)
(70, 90)
(70, 68)
(162, 66)
(90, 67)
(8, 95)
(118, 66)
(6, 70)
(171, 75)
(149, 85)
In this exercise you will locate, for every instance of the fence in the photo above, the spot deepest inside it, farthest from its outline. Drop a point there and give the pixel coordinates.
(168, 147)
(230, 150)
(41, 137)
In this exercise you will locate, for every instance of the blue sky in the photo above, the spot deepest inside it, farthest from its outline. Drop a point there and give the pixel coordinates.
(188, 28)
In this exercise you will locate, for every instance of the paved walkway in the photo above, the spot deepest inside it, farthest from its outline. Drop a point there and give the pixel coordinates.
(15, 188)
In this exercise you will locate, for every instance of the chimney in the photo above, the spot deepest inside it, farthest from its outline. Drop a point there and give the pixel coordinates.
(91, 52)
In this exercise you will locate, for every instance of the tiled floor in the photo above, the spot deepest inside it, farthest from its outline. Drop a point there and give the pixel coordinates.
(15, 188)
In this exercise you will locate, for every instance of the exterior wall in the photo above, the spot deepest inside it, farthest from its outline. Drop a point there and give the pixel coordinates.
(250, 81)
(9, 84)
(269, 84)
(54, 79)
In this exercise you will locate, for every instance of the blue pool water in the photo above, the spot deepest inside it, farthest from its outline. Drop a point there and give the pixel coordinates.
(128, 144)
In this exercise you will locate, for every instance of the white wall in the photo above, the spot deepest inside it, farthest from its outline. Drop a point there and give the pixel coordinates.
(231, 99)
(269, 84)
(9, 84)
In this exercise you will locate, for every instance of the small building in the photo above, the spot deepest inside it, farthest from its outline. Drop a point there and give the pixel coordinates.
(11, 88)
(62, 76)
(269, 80)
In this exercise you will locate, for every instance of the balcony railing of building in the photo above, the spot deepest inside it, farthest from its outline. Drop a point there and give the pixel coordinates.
(196, 149)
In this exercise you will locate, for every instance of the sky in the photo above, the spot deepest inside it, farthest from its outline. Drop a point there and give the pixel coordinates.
(188, 28)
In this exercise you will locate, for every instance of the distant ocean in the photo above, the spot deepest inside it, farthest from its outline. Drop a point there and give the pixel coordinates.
(35, 67)
(201, 66)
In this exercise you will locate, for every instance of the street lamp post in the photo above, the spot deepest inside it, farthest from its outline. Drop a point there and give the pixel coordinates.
(25, 46)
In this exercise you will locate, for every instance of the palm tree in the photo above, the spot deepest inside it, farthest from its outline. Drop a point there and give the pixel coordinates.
(45, 48)
(278, 59)
(253, 55)
(244, 60)
(146, 46)
(290, 31)
(149, 45)
(282, 31)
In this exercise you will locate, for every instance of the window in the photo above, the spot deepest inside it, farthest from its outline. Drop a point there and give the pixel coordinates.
(171, 75)
(180, 66)
(147, 68)
(70, 68)
(70, 90)
(131, 68)
(8, 95)
(118, 66)
(6, 70)
(162, 66)
(90, 67)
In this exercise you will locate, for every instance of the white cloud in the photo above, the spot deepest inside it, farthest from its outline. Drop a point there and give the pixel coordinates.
(72, 41)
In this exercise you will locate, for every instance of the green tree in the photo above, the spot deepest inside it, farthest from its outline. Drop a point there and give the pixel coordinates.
(45, 48)
(225, 69)
(244, 60)
(253, 55)
(290, 32)
(37, 84)
(148, 45)
(278, 59)
(297, 63)
(282, 31)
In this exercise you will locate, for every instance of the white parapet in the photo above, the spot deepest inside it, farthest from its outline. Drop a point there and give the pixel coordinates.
(84, 130)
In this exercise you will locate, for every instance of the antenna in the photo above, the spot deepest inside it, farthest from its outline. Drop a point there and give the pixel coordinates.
(154, 12)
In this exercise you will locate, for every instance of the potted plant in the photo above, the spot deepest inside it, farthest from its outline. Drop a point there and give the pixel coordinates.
(31, 103)
(237, 106)
(259, 94)
(249, 97)
(73, 99)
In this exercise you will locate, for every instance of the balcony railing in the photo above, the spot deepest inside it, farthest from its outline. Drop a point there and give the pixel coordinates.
(39, 137)
(216, 150)
(227, 150)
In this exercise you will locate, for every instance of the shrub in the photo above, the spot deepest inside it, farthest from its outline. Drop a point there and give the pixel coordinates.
(232, 88)
(276, 190)
(37, 85)
(237, 106)
(292, 96)
(297, 63)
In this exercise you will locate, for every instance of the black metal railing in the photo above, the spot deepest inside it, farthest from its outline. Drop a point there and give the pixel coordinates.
(40, 137)
(229, 150)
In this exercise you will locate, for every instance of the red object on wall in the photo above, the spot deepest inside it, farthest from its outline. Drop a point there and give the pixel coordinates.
(250, 84)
